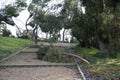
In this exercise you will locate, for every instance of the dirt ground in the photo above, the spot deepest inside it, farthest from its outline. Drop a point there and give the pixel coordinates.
(34, 73)
(39, 73)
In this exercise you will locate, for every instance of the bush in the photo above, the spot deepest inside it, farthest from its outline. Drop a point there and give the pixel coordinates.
(101, 54)
(49, 53)
(42, 52)
(34, 46)
(53, 55)
(6, 33)
(24, 37)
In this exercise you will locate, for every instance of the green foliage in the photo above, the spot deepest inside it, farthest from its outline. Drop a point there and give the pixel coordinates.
(21, 4)
(101, 65)
(97, 57)
(23, 37)
(47, 21)
(100, 22)
(108, 72)
(11, 11)
(52, 55)
(52, 39)
(101, 54)
(86, 54)
(42, 52)
(6, 33)
(50, 24)
(49, 53)
(31, 8)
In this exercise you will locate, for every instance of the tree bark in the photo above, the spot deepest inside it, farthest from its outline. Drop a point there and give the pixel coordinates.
(102, 46)
(27, 22)
(46, 36)
(63, 35)
(35, 34)
(59, 36)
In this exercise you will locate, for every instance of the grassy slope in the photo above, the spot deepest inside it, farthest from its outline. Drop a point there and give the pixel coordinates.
(105, 67)
(8, 45)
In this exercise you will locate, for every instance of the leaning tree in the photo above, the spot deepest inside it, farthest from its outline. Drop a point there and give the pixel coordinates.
(98, 26)
(11, 10)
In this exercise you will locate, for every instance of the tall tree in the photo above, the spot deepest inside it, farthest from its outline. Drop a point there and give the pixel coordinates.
(10, 11)
(36, 11)
(47, 21)
(95, 27)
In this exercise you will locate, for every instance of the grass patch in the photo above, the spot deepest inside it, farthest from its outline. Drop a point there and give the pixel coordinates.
(91, 51)
(100, 67)
(106, 71)
(9, 45)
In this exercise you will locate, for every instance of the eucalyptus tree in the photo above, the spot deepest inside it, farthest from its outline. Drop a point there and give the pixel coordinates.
(97, 25)
(105, 17)
(51, 24)
(10, 11)
(36, 13)
(48, 22)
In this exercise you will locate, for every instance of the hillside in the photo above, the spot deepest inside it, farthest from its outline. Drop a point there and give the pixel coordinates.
(9, 45)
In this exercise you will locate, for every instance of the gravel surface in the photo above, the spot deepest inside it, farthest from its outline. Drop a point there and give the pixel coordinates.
(59, 44)
(39, 73)
(25, 58)
(34, 73)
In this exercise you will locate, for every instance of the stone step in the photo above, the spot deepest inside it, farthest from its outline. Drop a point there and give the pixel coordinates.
(46, 65)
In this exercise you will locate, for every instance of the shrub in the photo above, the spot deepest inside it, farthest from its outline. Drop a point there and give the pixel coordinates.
(6, 33)
(53, 55)
(34, 46)
(42, 51)
(101, 54)
(49, 53)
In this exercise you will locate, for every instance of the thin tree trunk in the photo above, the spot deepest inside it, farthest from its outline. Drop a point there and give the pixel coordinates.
(27, 22)
(50, 35)
(46, 36)
(17, 26)
(35, 34)
(102, 46)
(59, 36)
(36, 39)
(63, 35)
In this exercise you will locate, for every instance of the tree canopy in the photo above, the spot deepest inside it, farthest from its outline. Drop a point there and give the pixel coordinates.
(98, 26)
(11, 10)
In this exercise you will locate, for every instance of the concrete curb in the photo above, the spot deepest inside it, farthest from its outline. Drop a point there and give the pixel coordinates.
(28, 66)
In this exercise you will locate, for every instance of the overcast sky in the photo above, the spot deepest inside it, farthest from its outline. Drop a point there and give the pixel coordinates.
(21, 19)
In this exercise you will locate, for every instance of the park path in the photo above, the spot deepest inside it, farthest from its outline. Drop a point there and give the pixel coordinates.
(34, 73)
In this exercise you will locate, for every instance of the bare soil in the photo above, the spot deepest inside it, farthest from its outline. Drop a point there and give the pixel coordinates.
(34, 73)
(39, 73)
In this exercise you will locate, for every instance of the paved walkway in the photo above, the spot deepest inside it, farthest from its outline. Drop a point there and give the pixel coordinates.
(34, 73)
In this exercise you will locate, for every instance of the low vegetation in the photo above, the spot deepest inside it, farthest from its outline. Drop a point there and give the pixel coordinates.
(52, 54)
(9, 45)
(101, 65)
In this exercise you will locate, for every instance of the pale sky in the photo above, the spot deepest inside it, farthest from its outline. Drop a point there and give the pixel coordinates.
(21, 19)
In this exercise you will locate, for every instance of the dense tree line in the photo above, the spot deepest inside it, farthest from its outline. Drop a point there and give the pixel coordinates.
(98, 26)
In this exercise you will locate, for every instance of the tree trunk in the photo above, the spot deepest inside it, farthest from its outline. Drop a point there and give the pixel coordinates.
(36, 40)
(102, 46)
(50, 35)
(59, 36)
(46, 36)
(35, 34)
(63, 35)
